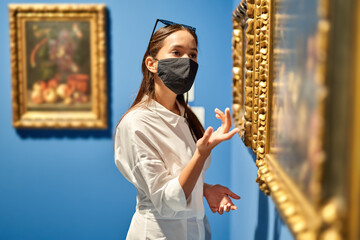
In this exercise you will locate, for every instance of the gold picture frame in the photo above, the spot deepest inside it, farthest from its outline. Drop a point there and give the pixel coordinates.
(307, 153)
(58, 66)
(241, 104)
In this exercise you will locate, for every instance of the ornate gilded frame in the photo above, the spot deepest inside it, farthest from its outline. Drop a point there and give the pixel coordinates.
(240, 99)
(96, 117)
(333, 211)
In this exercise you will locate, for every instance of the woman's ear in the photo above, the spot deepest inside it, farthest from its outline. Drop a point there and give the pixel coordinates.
(151, 64)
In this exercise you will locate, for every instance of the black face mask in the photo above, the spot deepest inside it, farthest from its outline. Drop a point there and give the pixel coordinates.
(178, 74)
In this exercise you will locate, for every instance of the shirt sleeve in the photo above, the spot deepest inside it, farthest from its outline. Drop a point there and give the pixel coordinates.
(152, 176)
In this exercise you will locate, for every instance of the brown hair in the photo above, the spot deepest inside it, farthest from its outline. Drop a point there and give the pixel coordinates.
(147, 86)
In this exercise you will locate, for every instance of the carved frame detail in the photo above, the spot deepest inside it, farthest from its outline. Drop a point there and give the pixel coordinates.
(238, 55)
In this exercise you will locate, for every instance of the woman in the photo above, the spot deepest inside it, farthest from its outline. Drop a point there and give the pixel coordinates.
(161, 147)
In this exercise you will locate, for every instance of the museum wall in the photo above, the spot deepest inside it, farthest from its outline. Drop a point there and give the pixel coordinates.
(64, 184)
(256, 217)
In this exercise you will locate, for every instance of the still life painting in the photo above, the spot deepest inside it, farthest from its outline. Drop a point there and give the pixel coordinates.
(58, 65)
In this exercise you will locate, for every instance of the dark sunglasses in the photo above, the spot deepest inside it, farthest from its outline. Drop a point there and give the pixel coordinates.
(168, 23)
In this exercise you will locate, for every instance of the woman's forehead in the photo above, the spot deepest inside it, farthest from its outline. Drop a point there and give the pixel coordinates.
(180, 38)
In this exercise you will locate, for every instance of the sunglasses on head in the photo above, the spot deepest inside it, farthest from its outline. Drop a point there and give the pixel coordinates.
(169, 23)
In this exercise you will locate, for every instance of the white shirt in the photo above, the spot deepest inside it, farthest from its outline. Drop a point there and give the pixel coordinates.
(152, 147)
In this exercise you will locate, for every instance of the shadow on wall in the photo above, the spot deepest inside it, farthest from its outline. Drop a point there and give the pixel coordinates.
(278, 224)
(82, 133)
(261, 231)
(262, 228)
(251, 153)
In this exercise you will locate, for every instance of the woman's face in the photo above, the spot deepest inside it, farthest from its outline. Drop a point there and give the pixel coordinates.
(180, 44)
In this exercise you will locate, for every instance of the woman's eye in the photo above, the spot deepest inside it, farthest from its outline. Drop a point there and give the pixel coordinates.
(176, 53)
(193, 55)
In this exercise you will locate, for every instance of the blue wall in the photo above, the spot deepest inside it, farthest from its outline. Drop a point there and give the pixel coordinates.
(64, 184)
(256, 217)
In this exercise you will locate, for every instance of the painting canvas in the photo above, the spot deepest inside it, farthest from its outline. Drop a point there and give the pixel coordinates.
(298, 92)
(58, 65)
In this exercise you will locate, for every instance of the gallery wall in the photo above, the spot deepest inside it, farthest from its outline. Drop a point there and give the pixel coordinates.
(64, 184)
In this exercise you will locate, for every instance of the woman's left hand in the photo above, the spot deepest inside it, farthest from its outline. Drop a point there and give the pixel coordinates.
(212, 138)
(218, 198)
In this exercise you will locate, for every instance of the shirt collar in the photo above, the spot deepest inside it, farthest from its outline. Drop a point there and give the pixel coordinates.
(164, 113)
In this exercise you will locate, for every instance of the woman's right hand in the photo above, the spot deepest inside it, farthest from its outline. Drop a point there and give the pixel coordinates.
(211, 139)
(218, 198)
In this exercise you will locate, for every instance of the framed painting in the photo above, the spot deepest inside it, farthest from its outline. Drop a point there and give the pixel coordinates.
(305, 112)
(58, 66)
(288, 74)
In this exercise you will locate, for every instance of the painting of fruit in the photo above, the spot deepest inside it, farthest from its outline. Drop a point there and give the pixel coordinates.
(58, 65)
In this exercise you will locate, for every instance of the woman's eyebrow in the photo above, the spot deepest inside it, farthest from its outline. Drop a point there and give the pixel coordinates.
(180, 46)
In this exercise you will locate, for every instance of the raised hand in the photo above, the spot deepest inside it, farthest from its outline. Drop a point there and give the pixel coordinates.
(204, 145)
(218, 198)
(211, 138)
